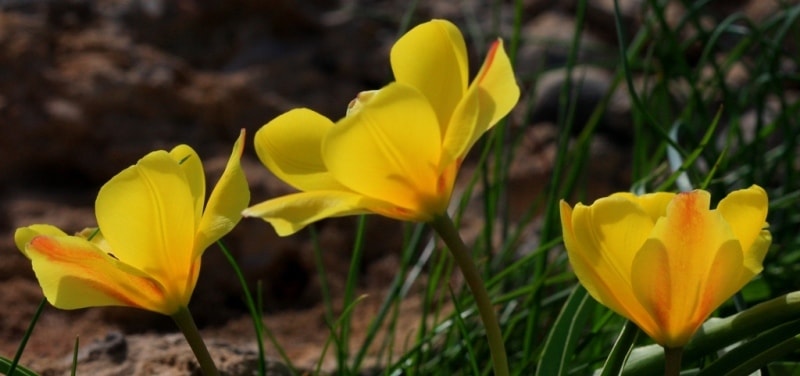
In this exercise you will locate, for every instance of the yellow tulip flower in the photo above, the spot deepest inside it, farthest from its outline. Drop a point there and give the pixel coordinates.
(154, 232)
(666, 261)
(398, 150)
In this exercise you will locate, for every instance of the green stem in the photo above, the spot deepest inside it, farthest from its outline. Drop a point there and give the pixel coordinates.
(183, 318)
(672, 361)
(444, 226)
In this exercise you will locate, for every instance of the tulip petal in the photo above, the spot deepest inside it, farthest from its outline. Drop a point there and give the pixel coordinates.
(492, 95)
(745, 211)
(75, 274)
(602, 242)
(691, 248)
(147, 216)
(497, 84)
(192, 166)
(679, 293)
(464, 130)
(229, 197)
(389, 151)
(754, 256)
(432, 57)
(291, 145)
(291, 213)
(23, 235)
(654, 204)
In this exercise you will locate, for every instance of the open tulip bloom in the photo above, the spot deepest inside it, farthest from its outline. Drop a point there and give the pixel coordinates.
(154, 228)
(666, 261)
(398, 150)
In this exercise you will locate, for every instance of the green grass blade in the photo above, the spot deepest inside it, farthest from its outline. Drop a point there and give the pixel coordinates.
(563, 338)
(258, 325)
(349, 290)
(465, 333)
(74, 368)
(21, 348)
(621, 350)
(5, 368)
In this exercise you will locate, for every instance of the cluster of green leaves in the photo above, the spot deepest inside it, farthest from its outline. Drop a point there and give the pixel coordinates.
(692, 126)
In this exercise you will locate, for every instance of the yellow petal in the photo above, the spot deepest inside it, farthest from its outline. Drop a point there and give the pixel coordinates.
(432, 58)
(497, 84)
(464, 129)
(654, 204)
(603, 243)
(147, 216)
(745, 211)
(190, 162)
(291, 213)
(389, 151)
(23, 235)
(754, 256)
(491, 96)
(291, 145)
(679, 300)
(229, 197)
(691, 264)
(75, 274)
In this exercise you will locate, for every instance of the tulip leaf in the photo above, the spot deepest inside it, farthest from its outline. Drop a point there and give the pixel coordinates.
(559, 348)
(756, 353)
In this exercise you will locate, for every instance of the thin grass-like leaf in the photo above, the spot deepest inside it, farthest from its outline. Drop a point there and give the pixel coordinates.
(21, 348)
(74, 368)
(258, 325)
(5, 368)
(565, 333)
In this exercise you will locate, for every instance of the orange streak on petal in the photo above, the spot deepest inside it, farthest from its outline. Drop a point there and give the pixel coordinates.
(489, 60)
(100, 273)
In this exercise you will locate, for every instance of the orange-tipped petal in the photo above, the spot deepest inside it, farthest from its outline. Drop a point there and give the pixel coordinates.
(497, 84)
(491, 96)
(23, 235)
(75, 274)
(688, 268)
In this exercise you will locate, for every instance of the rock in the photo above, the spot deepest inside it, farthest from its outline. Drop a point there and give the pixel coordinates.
(546, 41)
(592, 85)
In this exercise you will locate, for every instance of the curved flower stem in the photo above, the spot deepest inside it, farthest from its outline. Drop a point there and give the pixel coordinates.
(444, 226)
(183, 318)
(672, 361)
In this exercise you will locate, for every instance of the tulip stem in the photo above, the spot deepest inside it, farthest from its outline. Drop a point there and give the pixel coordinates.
(444, 226)
(183, 318)
(672, 361)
